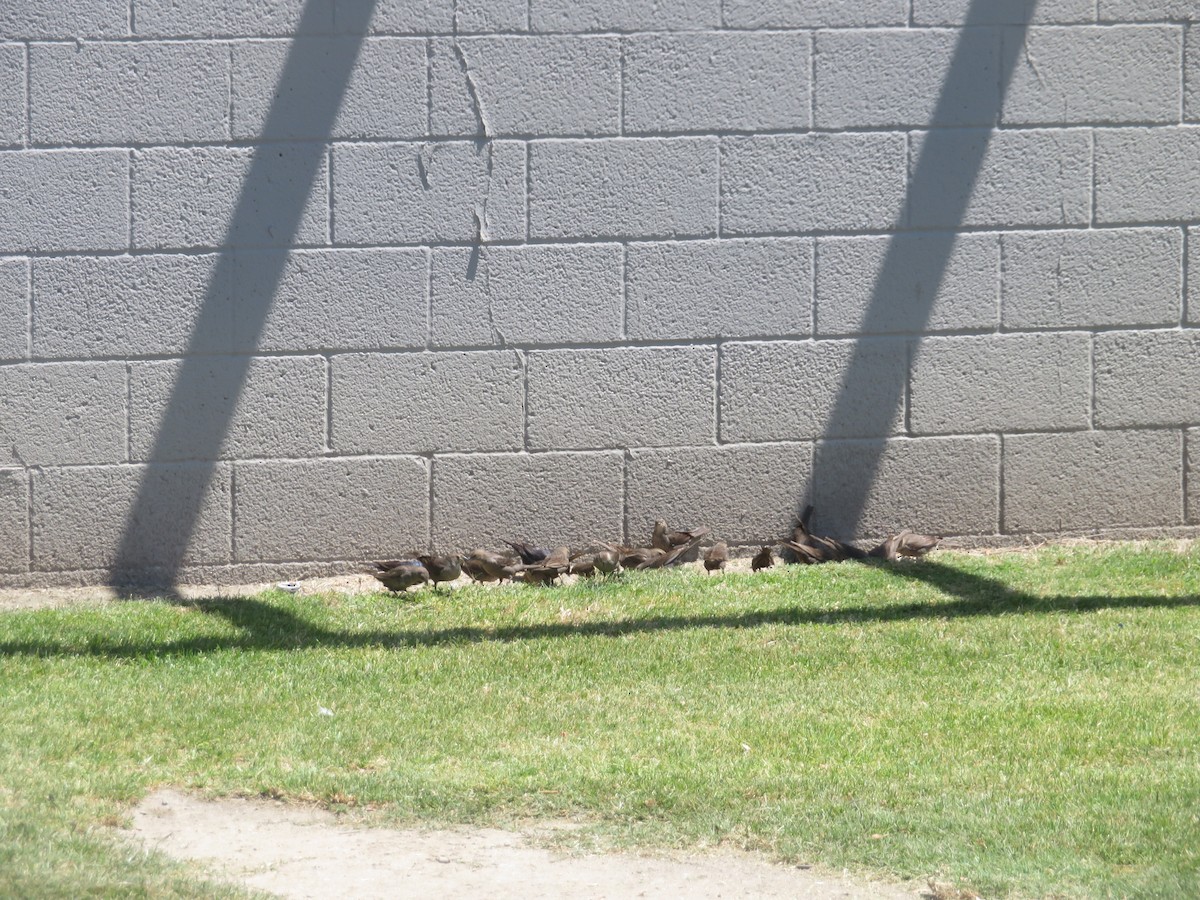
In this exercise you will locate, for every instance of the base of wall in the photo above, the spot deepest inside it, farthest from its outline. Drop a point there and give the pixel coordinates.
(249, 577)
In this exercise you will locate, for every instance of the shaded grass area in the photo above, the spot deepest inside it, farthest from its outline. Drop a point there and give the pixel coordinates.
(1027, 724)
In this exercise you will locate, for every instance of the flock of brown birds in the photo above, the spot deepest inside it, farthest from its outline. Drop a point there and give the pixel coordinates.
(544, 565)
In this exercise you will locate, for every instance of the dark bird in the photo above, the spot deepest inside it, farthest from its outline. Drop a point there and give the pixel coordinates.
(762, 559)
(664, 539)
(485, 565)
(398, 575)
(556, 562)
(444, 567)
(529, 554)
(716, 557)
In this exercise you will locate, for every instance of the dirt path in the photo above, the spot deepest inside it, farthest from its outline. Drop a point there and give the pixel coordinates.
(301, 852)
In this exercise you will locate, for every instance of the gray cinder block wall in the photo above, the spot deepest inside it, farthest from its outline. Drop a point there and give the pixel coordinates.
(288, 285)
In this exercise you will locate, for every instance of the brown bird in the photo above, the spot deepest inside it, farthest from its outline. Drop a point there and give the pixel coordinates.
(583, 565)
(605, 561)
(673, 556)
(398, 575)
(904, 544)
(664, 539)
(716, 557)
(485, 565)
(529, 554)
(444, 567)
(910, 544)
(556, 562)
(802, 553)
(762, 559)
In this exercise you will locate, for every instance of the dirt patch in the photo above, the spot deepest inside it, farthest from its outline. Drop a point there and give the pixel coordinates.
(301, 852)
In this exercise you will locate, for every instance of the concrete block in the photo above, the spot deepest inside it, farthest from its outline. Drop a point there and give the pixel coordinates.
(1001, 382)
(129, 306)
(275, 407)
(81, 515)
(1193, 282)
(1147, 378)
(14, 309)
(352, 509)
(624, 15)
(1148, 11)
(540, 85)
(1192, 439)
(12, 94)
(44, 19)
(744, 493)
(811, 182)
(424, 16)
(1003, 12)
(939, 486)
(232, 18)
(421, 402)
(932, 282)
(329, 299)
(814, 13)
(885, 77)
(1099, 74)
(62, 413)
(1191, 75)
(622, 397)
(188, 196)
(64, 200)
(715, 289)
(649, 187)
(570, 293)
(418, 193)
(385, 96)
(129, 93)
(1148, 175)
(784, 390)
(1092, 479)
(489, 15)
(1011, 178)
(717, 82)
(14, 520)
(1065, 279)
(545, 498)
(278, 407)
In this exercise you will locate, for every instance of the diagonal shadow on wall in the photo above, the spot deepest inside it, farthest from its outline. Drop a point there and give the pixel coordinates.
(270, 208)
(939, 191)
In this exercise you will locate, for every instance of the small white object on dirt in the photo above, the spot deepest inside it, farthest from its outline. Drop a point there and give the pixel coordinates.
(292, 587)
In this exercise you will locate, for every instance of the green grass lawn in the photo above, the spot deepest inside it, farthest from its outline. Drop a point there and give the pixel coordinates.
(1025, 724)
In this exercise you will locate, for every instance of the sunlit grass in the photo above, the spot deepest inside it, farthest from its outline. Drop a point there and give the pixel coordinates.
(1025, 724)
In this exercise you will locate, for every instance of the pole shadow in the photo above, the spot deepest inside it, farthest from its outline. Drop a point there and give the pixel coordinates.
(268, 626)
(939, 192)
(270, 210)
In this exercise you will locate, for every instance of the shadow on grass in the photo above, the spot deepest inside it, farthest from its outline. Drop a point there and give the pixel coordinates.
(265, 626)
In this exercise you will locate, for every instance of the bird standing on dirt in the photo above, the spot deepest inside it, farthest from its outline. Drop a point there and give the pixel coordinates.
(557, 562)
(716, 557)
(904, 544)
(484, 565)
(762, 560)
(398, 575)
(446, 567)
